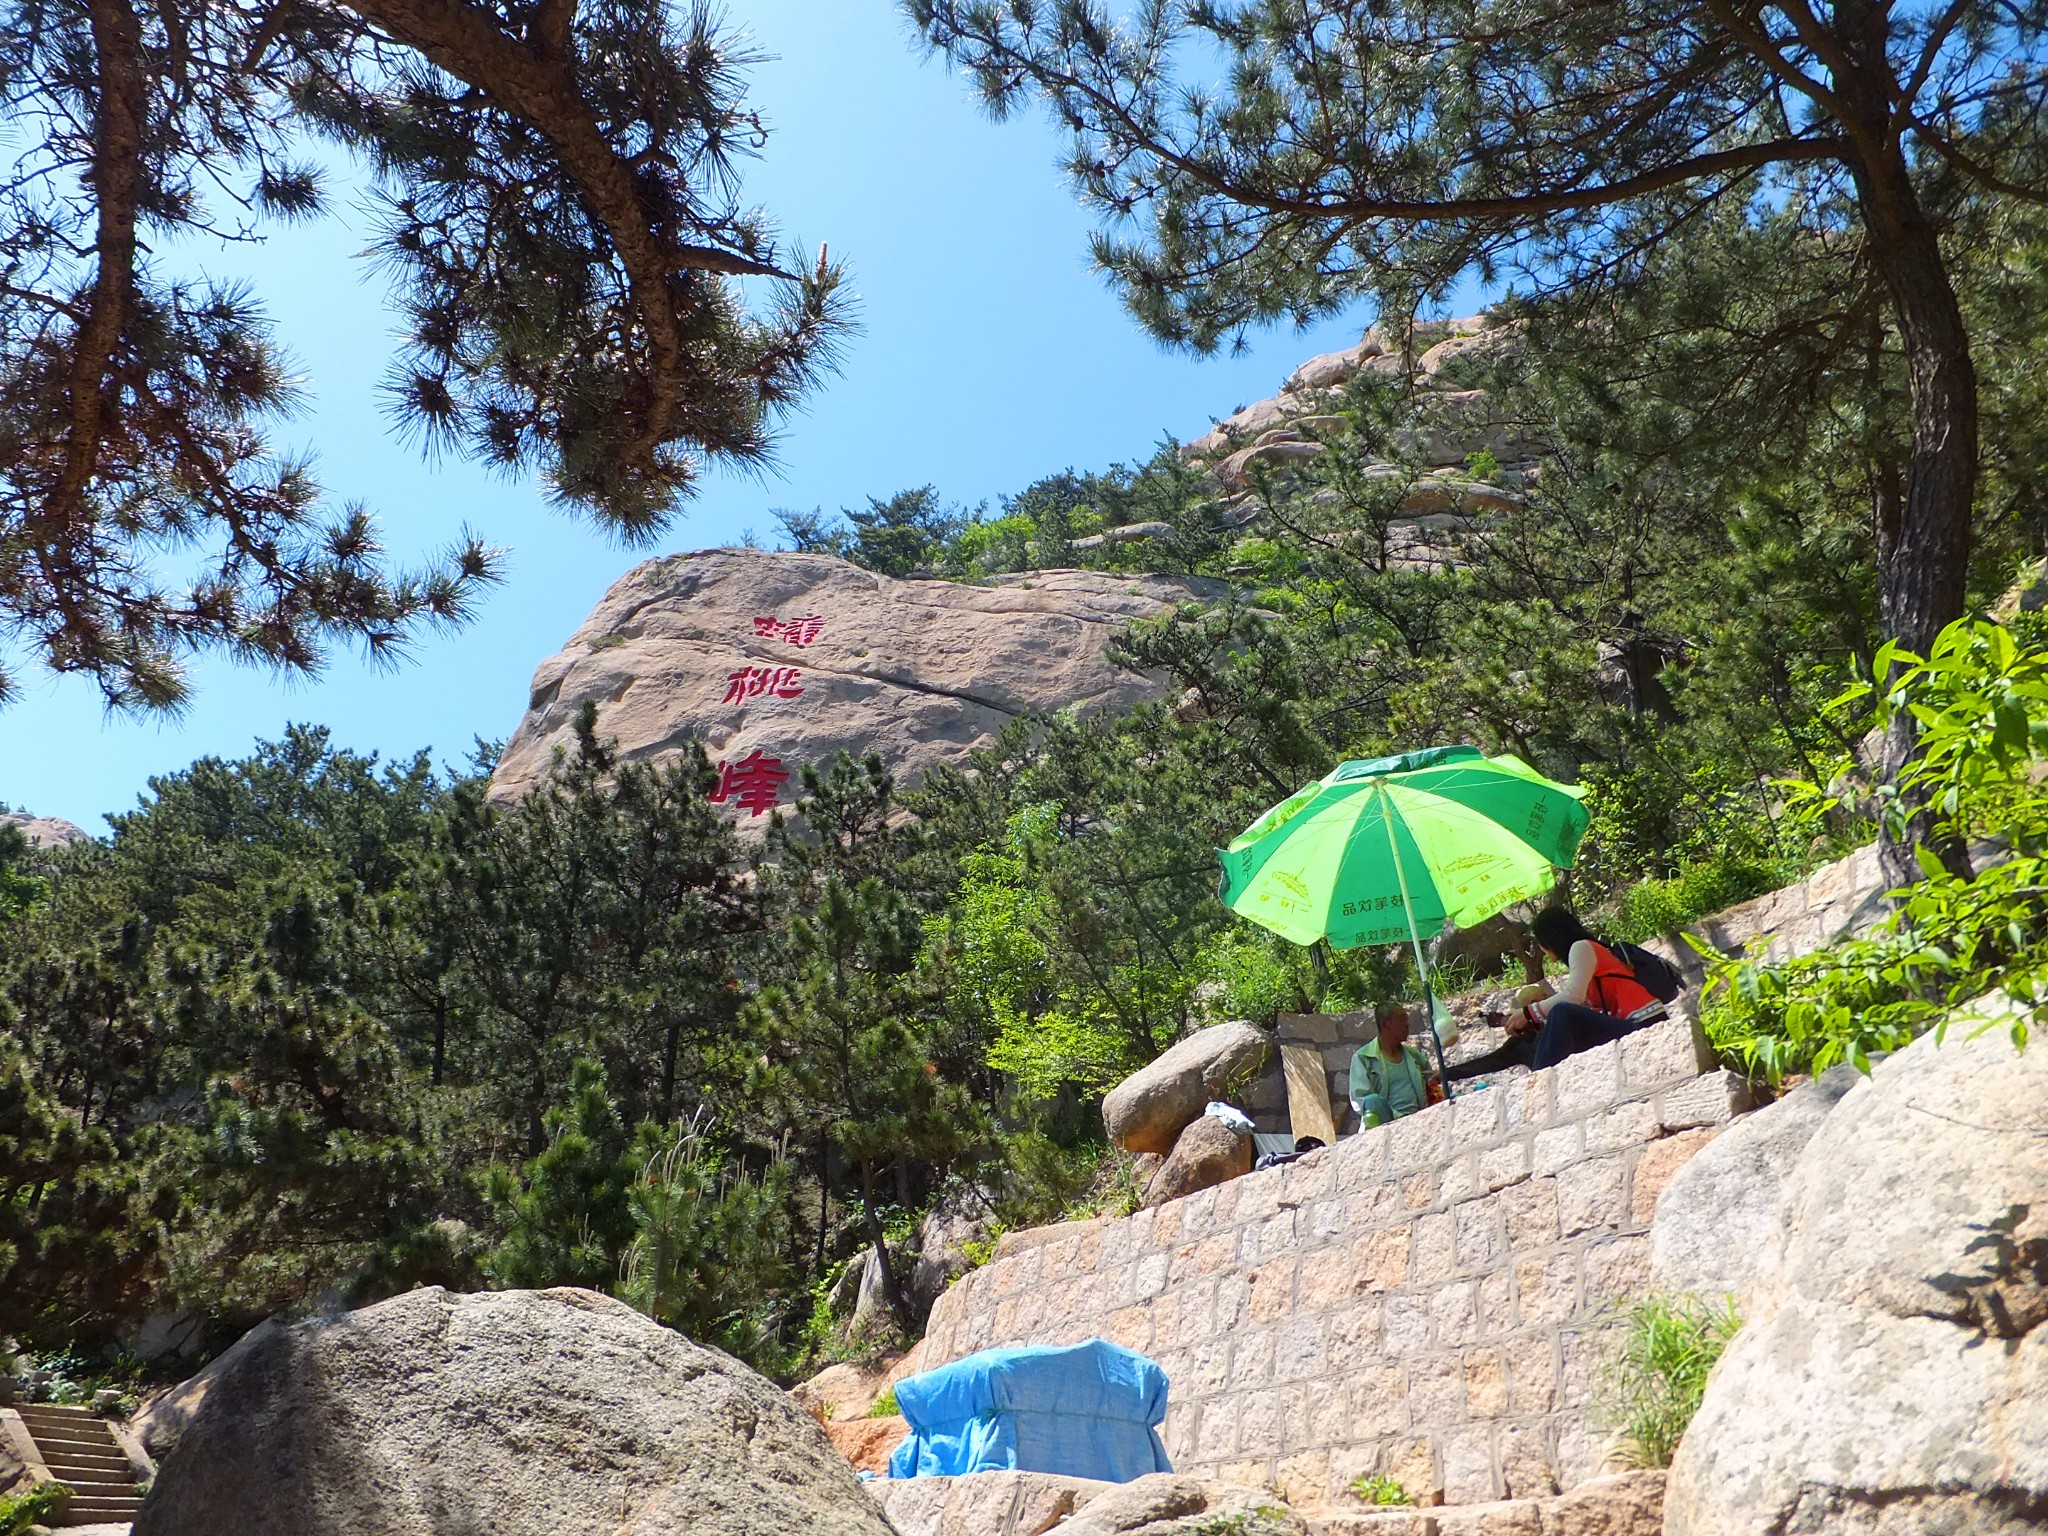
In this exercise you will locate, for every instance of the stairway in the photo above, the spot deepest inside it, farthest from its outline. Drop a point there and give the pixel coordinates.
(80, 1450)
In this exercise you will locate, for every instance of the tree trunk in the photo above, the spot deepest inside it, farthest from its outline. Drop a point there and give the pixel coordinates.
(892, 1290)
(824, 1197)
(1923, 540)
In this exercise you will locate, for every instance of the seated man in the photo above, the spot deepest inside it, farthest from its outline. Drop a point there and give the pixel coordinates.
(1387, 1079)
(1597, 1000)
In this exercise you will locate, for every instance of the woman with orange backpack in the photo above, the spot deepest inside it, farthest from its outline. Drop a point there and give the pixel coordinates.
(1607, 991)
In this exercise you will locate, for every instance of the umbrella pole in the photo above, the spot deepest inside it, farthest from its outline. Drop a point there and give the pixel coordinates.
(1443, 1067)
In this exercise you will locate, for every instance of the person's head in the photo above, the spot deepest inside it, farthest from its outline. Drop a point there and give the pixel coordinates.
(1557, 929)
(1392, 1020)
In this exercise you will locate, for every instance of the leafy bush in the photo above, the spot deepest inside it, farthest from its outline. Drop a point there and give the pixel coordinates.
(885, 1406)
(19, 1511)
(1379, 1488)
(1654, 1384)
(1980, 700)
(1653, 907)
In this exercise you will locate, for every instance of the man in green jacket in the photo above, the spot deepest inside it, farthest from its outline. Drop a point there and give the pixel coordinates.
(1387, 1079)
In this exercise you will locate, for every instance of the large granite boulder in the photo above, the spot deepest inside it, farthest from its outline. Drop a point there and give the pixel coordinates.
(1207, 1152)
(772, 659)
(1720, 1221)
(518, 1413)
(1148, 1110)
(1893, 1377)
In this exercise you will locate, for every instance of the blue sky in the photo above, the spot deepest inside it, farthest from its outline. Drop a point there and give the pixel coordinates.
(990, 355)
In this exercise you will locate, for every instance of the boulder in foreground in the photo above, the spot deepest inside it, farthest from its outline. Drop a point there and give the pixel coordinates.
(1893, 1377)
(517, 1413)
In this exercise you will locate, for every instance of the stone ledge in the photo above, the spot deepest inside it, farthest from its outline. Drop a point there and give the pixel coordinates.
(982, 1503)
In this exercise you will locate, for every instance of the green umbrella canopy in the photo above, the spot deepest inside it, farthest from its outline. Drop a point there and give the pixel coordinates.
(1465, 834)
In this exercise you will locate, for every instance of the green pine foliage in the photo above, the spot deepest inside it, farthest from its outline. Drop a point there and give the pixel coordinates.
(567, 1212)
(556, 204)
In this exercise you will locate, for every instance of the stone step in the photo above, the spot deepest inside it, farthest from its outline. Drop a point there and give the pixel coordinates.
(95, 1476)
(71, 1451)
(1629, 1504)
(89, 1509)
(66, 1430)
(110, 1519)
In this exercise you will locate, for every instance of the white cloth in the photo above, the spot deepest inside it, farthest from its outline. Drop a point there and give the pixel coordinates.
(1230, 1115)
(1577, 982)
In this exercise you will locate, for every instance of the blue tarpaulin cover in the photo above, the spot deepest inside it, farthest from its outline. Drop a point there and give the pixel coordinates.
(1086, 1410)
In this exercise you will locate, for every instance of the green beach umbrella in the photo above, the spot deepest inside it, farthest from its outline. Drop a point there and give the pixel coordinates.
(1385, 851)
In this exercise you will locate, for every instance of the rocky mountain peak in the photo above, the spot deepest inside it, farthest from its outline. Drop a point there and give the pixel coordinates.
(774, 659)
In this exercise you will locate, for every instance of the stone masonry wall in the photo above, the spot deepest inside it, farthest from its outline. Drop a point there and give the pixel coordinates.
(1836, 901)
(1424, 1299)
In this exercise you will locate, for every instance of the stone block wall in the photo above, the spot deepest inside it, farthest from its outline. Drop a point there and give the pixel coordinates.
(1837, 901)
(1425, 1299)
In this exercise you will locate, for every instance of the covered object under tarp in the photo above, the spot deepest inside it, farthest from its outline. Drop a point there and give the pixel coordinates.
(1086, 1410)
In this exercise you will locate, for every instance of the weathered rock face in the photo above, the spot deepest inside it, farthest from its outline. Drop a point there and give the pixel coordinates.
(847, 1391)
(1148, 1110)
(164, 1418)
(773, 659)
(43, 831)
(1208, 1152)
(520, 1413)
(1721, 1221)
(1491, 948)
(1440, 362)
(1893, 1377)
(866, 1443)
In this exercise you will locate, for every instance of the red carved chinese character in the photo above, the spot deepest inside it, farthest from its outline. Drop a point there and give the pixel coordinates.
(795, 631)
(754, 783)
(751, 682)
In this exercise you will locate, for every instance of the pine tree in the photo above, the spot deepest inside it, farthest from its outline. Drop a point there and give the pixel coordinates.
(566, 1211)
(849, 1054)
(1385, 151)
(558, 210)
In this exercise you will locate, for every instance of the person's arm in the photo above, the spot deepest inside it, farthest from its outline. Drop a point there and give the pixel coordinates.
(1361, 1080)
(1583, 961)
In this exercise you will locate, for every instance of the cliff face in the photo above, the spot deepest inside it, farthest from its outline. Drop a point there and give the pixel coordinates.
(43, 831)
(773, 659)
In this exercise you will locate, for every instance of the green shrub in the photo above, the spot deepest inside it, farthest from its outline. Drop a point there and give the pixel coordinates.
(885, 1406)
(1980, 702)
(1651, 908)
(1654, 1384)
(1379, 1488)
(19, 1511)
